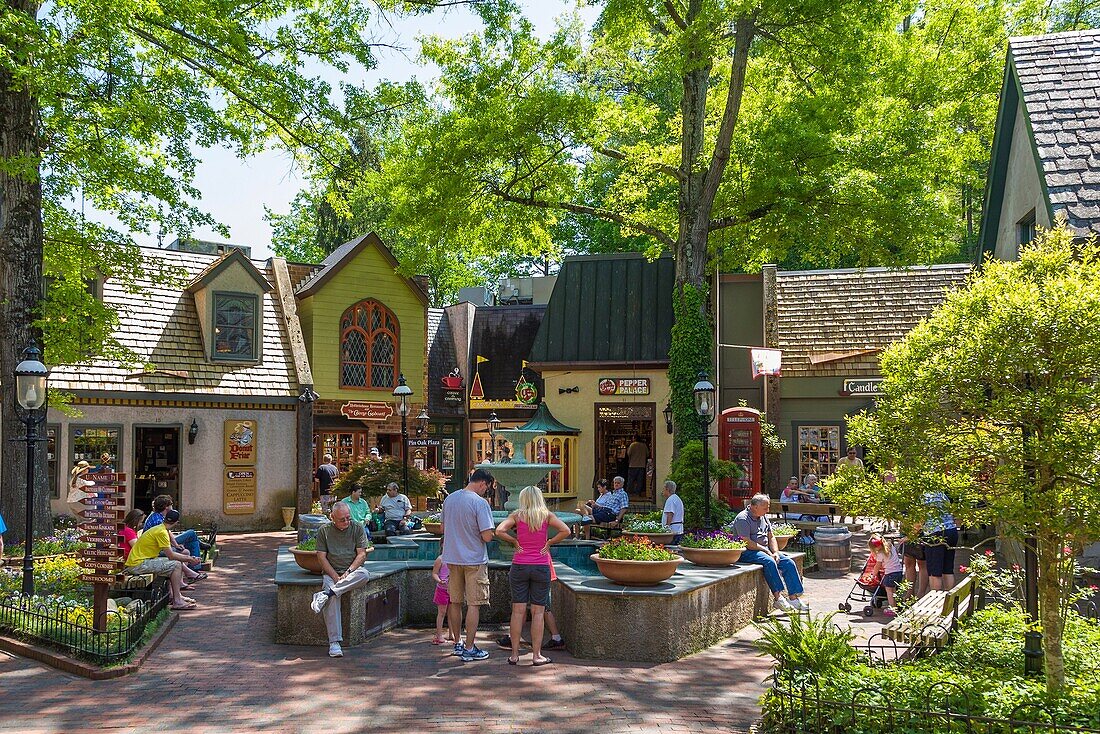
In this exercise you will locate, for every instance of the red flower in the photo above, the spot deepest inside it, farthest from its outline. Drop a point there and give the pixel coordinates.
(964, 569)
(1015, 566)
(989, 553)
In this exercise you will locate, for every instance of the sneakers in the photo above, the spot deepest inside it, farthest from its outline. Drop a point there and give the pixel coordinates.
(782, 605)
(320, 599)
(459, 649)
(800, 605)
(553, 644)
(474, 653)
(335, 651)
(505, 642)
(889, 612)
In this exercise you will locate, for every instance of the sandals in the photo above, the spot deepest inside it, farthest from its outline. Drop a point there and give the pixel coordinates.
(542, 661)
(182, 607)
(513, 661)
(202, 576)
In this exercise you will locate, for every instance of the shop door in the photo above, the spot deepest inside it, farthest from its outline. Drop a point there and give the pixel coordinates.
(156, 465)
(617, 426)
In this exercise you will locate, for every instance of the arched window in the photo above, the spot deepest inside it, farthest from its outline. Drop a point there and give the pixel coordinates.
(368, 346)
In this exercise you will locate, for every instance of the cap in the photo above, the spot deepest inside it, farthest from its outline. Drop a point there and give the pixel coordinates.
(172, 516)
(374, 450)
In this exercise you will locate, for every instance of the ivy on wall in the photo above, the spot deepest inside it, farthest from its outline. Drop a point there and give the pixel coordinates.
(689, 354)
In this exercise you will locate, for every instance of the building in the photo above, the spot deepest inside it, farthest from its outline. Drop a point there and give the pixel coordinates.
(1045, 162)
(205, 412)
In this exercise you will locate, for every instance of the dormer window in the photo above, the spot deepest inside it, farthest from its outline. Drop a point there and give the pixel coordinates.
(235, 326)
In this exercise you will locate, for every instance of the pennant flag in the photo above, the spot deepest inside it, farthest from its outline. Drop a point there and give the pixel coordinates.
(765, 361)
(523, 364)
(481, 359)
(476, 391)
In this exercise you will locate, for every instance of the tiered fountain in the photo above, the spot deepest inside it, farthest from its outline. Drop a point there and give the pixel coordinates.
(519, 473)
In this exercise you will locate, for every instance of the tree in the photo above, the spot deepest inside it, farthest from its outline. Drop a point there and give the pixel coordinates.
(994, 400)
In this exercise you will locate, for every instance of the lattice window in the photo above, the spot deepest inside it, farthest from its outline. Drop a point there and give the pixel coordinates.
(818, 449)
(368, 346)
(234, 326)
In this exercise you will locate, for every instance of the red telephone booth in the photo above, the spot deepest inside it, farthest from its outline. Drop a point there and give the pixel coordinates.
(739, 441)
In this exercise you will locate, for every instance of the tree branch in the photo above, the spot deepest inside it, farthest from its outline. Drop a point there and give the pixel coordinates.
(674, 13)
(733, 221)
(621, 156)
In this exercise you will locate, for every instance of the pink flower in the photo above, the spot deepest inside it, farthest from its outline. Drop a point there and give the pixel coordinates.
(964, 569)
(989, 553)
(1015, 566)
(1067, 550)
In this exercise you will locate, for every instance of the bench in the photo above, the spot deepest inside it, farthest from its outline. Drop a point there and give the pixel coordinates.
(934, 616)
(780, 509)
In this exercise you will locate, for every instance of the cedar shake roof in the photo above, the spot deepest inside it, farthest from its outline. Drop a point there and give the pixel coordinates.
(442, 358)
(836, 322)
(1059, 75)
(161, 325)
(344, 254)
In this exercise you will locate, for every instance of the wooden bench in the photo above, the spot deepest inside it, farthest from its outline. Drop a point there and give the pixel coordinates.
(780, 509)
(934, 616)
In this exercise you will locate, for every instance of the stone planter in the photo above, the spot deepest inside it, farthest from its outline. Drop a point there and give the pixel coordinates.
(435, 528)
(658, 538)
(782, 540)
(636, 573)
(309, 561)
(711, 556)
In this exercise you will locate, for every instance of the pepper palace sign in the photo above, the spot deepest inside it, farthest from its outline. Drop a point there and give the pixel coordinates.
(364, 411)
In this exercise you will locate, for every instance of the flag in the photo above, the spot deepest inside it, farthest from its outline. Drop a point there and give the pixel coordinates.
(523, 364)
(765, 361)
(481, 359)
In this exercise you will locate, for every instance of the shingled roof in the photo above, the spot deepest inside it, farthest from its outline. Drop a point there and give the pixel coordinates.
(161, 325)
(836, 322)
(503, 335)
(1060, 78)
(609, 309)
(442, 358)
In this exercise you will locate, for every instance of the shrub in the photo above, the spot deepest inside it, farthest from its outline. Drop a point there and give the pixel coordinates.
(635, 548)
(309, 544)
(805, 645)
(65, 540)
(687, 472)
(715, 539)
(375, 475)
(52, 577)
(635, 524)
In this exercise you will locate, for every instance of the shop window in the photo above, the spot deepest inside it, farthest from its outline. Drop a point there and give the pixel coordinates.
(53, 431)
(368, 346)
(556, 450)
(90, 442)
(235, 326)
(347, 448)
(818, 449)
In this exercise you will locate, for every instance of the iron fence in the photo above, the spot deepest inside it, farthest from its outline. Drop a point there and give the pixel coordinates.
(799, 708)
(69, 624)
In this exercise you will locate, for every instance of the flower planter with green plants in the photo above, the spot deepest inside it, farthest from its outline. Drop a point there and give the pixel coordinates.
(632, 560)
(645, 527)
(711, 548)
(305, 555)
(433, 523)
(783, 534)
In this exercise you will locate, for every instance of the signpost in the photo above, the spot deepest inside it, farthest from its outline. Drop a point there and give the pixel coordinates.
(102, 526)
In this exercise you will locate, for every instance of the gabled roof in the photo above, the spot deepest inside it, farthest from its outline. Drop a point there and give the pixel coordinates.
(1058, 78)
(223, 263)
(161, 325)
(344, 254)
(442, 358)
(503, 335)
(836, 322)
(611, 309)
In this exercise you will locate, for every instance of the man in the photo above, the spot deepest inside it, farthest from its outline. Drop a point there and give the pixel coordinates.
(145, 557)
(752, 525)
(851, 461)
(326, 475)
(637, 453)
(188, 539)
(397, 510)
(619, 499)
(342, 550)
(673, 517)
(375, 454)
(467, 527)
(360, 509)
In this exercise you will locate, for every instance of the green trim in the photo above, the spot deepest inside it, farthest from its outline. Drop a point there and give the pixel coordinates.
(257, 328)
(997, 176)
(544, 420)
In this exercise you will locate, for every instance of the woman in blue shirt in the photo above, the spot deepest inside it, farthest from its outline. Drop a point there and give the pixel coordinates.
(939, 535)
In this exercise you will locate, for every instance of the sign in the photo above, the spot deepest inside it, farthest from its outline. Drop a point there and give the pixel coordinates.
(499, 405)
(526, 392)
(423, 442)
(624, 385)
(863, 386)
(103, 514)
(102, 565)
(100, 539)
(106, 478)
(239, 491)
(364, 411)
(98, 578)
(106, 489)
(240, 442)
(99, 554)
(452, 397)
(101, 528)
(453, 381)
(625, 411)
(765, 362)
(99, 501)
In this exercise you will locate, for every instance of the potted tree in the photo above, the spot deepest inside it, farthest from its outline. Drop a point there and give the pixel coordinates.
(632, 560)
(713, 548)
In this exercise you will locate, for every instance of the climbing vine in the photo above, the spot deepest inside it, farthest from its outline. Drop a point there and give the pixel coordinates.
(689, 354)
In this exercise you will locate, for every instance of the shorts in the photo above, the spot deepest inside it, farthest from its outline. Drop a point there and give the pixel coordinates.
(939, 555)
(913, 550)
(529, 584)
(891, 580)
(469, 584)
(157, 566)
(603, 514)
(441, 597)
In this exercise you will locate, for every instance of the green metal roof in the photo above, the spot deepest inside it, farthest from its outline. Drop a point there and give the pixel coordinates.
(544, 420)
(610, 309)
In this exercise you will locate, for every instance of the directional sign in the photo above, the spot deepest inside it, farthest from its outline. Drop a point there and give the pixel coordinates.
(100, 539)
(99, 501)
(106, 489)
(96, 578)
(106, 478)
(99, 554)
(103, 565)
(105, 527)
(103, 514)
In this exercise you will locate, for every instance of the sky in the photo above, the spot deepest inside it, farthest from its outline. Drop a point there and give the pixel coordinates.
(236, 191)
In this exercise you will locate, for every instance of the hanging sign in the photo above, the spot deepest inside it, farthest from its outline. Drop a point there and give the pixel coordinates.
(240, 442)
(239, 491)
(623, 385)
(867, 386)
(364, 411)
(103, 513)
(106, 478)
(765, 362)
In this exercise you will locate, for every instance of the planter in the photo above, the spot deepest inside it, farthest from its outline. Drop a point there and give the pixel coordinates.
(658, 538)
(636, 573)
(288, 517)
(309, 561)
(782, 540)
(711, 556)
(435, 528)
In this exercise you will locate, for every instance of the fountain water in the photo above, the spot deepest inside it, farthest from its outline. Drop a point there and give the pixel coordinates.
(519, 473)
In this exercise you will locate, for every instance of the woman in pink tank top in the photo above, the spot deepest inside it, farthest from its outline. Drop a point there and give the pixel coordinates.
(531, 571)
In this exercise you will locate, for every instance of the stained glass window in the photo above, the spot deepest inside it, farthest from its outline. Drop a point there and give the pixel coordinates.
(368, 346)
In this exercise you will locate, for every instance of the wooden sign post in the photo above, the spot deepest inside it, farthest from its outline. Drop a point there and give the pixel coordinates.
(102, 525)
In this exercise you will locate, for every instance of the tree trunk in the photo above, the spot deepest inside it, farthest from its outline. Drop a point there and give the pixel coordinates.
(20, 287)
(1050, 610)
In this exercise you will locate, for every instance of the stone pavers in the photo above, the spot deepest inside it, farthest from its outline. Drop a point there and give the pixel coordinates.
(218, 671)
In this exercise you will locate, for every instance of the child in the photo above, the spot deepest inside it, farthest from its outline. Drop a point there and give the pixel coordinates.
(442, 599)
(889, 564)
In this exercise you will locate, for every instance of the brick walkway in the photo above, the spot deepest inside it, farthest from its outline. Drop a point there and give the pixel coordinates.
(218, 671)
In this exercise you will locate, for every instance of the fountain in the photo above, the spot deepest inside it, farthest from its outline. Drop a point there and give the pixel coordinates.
(519, 473)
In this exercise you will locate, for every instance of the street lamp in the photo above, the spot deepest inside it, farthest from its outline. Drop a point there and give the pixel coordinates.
(401, 395)
(704, 408)
(422, 422)
(494, 424)
(30, 393)
(668, 417)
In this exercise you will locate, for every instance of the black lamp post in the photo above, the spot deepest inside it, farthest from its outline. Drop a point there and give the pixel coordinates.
(422, 422)
(494, 424)
(401, 395)
(704, 407)
(667, 412)
(30, 393)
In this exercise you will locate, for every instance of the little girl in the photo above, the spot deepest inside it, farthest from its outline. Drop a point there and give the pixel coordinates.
(889, 564)
(440, 574)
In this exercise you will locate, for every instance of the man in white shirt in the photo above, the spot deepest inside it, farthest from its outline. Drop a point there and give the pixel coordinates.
(673, 517)
(398, 509)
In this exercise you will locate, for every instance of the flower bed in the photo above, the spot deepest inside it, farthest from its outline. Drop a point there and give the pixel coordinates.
(712, 540)
(61, 542)
(634, 548)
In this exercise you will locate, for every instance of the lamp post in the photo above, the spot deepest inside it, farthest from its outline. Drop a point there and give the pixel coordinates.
(401, 395)
(704, 408)
(422, 422)
(494, 424)
(30, 393)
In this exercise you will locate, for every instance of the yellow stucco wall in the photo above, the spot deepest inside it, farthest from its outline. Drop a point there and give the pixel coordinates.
(369, 275)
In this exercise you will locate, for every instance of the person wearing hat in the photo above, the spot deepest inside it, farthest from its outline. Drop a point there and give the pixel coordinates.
(78, 485)
(375, 454)
(145, 558)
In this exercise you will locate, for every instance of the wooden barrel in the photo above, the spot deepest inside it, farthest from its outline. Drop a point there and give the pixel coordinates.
(833, 545)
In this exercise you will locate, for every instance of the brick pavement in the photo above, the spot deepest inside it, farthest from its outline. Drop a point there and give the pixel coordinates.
(218, 671)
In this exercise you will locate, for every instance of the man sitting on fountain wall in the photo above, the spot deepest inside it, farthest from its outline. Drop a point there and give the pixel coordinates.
(620, 497)
(342, 550)
(601, 509)
(397, 508)
(752, 525)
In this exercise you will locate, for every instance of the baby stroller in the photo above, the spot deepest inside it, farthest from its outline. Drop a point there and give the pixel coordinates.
(867, 590)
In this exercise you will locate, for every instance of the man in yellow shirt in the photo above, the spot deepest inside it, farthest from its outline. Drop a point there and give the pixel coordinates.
(145, 558)
(851, 461)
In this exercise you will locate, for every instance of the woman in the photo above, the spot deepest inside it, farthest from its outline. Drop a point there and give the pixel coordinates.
(940, 535)
(599, 509)
(529, 576)
(131, 526)
(77, 487)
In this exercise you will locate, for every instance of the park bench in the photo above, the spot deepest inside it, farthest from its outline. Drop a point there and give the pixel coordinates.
(780, 509)
(929, 622)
